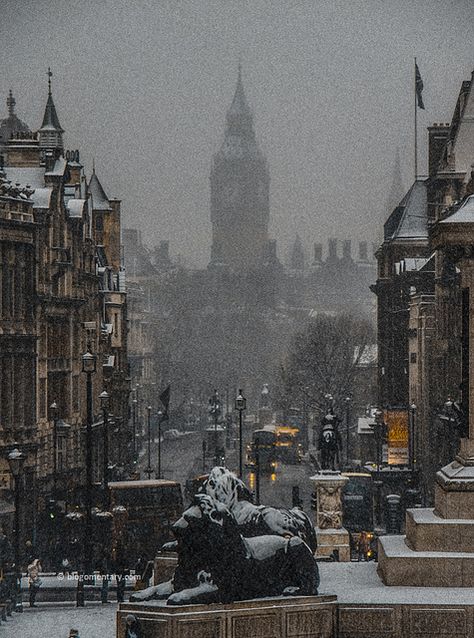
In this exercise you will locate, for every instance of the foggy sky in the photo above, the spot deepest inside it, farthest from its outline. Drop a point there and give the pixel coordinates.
(143, 87)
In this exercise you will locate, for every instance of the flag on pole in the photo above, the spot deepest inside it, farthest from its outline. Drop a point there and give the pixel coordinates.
(419, 87)
(165, 400)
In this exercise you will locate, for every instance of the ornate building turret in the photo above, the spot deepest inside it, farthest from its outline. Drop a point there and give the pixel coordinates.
(50, 133)
(240, 181)
(11, 125)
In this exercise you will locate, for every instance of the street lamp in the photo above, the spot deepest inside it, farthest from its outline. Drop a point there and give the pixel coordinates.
(257, 467)
(411, 447)
(149, 469)
(104, 403)
(89, 362)
(240, 406)
(348, 402)
(54, 413)
(215, 409)
(329, 399)
(160, 418)
(134, 430)
(378, 426)
(16, 460)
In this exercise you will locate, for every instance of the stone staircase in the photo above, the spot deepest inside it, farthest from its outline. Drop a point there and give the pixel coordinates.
(438, 549)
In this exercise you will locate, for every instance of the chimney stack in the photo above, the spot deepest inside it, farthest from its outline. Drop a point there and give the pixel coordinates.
(332, 250)
(346, 249)
(318, 253)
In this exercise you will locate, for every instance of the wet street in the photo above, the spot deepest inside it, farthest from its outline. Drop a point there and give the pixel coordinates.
(181, 459)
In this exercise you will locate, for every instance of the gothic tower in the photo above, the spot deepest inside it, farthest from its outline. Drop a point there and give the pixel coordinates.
(240, 205)
(50, 133)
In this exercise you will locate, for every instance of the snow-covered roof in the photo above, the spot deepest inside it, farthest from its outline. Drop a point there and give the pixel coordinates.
(59, 168)
(409, 220)
(34, 176)
(75, 207)
(410, 264)
(50, 117)
(463, 215)
(42, 198)
(100, 200)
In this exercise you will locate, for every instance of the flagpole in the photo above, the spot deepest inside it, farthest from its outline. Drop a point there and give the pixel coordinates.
(416, 129)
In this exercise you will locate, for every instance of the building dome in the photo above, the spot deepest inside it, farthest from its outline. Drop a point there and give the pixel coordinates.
(11, 125)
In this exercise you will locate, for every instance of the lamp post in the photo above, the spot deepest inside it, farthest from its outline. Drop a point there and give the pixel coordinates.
(134, 428)
(215, 409)
(54, 413)
(240, 406)
(104, 402)
(16, 460)
(348, 403)
(257, 469)
(411, 441)
(160, 417)
(89, 362)
(329, 400)
(378, 426)
(149, 469)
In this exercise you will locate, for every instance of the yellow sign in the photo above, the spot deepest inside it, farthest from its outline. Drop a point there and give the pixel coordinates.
(397, 436)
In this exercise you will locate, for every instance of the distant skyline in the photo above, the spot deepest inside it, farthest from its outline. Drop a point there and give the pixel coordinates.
(144, 87)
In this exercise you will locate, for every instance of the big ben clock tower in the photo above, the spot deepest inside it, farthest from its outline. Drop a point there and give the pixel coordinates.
(240, 182)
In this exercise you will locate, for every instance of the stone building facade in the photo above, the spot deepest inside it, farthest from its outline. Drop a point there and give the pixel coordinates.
(63, 292)
(421, 303)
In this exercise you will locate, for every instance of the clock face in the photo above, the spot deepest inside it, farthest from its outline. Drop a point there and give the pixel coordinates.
(230, 194)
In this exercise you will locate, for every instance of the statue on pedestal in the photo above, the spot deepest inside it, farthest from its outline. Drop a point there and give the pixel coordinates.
(330, 444)
(229, 549)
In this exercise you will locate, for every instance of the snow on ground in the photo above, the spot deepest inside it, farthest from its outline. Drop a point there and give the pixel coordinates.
(351, 582)
(359, 583)
(54, 620)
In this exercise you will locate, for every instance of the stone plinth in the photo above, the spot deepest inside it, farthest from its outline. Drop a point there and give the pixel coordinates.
(438, 550)
(330, 533)
(330, 540)
(164, 566)
(283, 617)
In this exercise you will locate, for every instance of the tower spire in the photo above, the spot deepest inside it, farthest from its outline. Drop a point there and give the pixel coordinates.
(51, 132)
(11, 103)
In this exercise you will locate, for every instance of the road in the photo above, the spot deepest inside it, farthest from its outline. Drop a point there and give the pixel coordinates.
(181, 459)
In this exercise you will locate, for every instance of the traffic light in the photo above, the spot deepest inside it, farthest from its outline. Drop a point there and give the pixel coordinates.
(53, 510)
(314, 501)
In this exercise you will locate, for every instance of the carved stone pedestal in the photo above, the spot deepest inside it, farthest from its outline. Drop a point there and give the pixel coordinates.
(164, 566)
(438, 549)
(331, 534)
(302, 616)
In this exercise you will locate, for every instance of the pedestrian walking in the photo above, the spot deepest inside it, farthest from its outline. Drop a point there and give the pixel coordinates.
(104, 591)
(66, 566)
(120, 578)
(34, 579)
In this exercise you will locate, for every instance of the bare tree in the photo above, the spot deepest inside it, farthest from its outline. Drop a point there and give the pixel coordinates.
(324, 358)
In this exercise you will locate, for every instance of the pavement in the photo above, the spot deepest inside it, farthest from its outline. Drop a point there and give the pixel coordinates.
(352, 583)
(54, 620)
